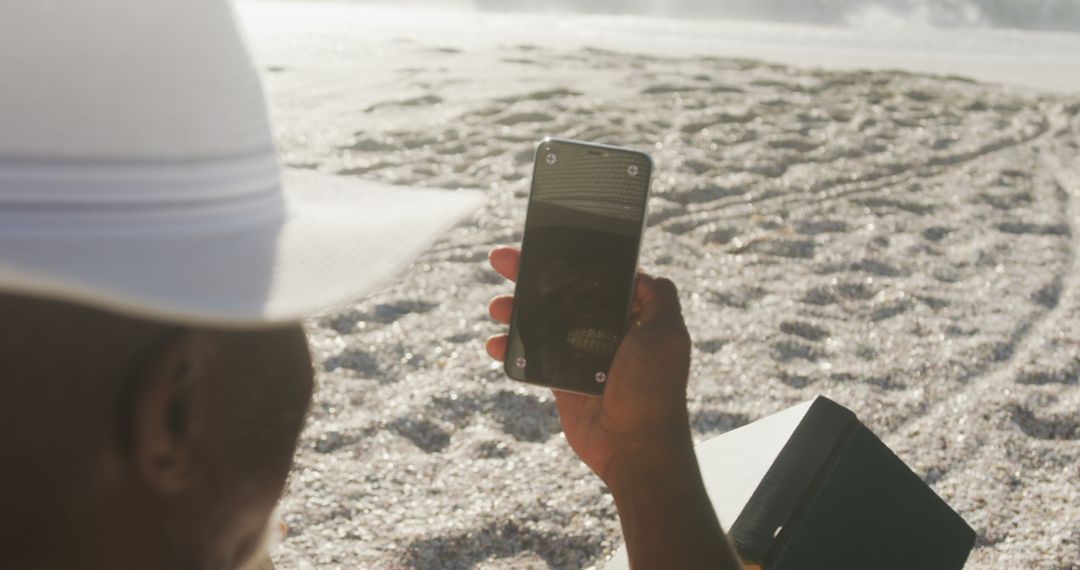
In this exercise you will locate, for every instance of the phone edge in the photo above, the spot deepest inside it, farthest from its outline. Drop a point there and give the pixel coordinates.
(637, 254)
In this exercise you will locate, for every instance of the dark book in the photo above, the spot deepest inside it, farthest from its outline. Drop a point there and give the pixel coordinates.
(811, 488)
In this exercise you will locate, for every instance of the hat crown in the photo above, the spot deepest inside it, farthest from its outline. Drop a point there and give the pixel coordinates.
(96, 96)
(138, 175)
(128, 80)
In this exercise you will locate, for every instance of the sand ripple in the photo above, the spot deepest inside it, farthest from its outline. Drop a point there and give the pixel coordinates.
(904, 244)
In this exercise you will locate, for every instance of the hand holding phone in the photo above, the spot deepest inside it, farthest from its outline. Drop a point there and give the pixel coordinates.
(571, 316)
(643, 411)
(637, 437)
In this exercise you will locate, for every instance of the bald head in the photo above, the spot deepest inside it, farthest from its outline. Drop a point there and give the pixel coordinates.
(174, 440)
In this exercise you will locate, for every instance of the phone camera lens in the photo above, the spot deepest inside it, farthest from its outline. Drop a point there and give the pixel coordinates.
(632, 170)
(520, 362)
(551, 158)
(601, 377)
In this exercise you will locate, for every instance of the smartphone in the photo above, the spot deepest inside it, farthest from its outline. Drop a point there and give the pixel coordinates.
(579, 255)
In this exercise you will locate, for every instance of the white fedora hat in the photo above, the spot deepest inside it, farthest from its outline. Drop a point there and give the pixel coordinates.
(138, 174)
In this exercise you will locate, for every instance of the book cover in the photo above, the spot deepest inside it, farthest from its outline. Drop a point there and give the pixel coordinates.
(812, 488)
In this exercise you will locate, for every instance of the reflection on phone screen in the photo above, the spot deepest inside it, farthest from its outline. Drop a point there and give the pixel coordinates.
(579, 261)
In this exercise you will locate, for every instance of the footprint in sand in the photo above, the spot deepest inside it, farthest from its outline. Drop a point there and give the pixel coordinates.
(890, 309)
(937, 233)
(380, 314)
(523, 61)
(878, 268)
(1029, 228)
(525, 418)
(786, 248)
(445, 50)
(739, 297)
(1067, 374)
(519, 118)
(1052, 428)
(544, 95)
(795, 380)
(493, 449)
(804, 330)
(666, 88)
(333, 440)
(425, 434)
(820, 296)
(817, 227)
(355, 360)
(421, 101)
(508, 544)
(710, 346)
(1050, 294)
(884, 205)
(788, 350)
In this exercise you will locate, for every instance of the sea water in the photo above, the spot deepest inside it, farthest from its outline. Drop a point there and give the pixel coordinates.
(1041, 60)
(1062, 15)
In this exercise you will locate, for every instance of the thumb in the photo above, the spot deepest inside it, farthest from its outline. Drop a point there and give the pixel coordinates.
(658, 299)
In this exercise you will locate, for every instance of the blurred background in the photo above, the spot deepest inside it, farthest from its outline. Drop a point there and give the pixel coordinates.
(1021, 14)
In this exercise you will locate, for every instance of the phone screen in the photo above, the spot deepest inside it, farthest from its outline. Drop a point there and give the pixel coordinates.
(579, 261)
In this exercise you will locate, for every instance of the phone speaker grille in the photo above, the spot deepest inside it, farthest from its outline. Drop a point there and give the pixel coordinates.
(594, 182)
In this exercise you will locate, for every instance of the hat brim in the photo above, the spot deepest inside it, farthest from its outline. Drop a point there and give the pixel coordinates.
(339, 240)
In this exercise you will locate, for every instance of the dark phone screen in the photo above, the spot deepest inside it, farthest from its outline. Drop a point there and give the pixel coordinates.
(579, 260)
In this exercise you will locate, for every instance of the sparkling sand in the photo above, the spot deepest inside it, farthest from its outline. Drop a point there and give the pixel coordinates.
(899, 242)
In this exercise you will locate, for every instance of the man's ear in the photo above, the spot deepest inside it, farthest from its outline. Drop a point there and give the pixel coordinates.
(166, 413)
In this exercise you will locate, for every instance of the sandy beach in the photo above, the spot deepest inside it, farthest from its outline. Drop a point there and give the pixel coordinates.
(898, 241)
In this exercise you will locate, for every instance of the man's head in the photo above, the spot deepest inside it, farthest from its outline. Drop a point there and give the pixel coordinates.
(122, 439)
(142, 444)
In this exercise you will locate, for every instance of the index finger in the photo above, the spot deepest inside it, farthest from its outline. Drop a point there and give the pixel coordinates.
(505, 261)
